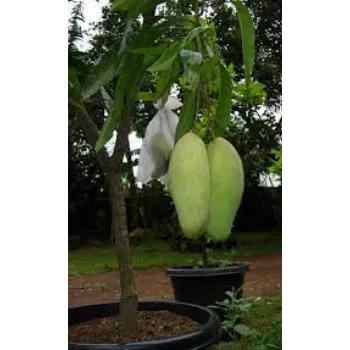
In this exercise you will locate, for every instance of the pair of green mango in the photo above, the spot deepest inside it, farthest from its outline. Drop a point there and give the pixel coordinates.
(206, 186)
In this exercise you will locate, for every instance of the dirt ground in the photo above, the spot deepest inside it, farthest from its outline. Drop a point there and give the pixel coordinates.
(264, 279)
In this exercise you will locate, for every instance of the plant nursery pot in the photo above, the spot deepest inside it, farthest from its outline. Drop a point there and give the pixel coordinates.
(203, 337)
(206, 286)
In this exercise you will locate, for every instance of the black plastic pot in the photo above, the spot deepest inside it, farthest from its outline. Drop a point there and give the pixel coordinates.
(206, 286)
(200, 339)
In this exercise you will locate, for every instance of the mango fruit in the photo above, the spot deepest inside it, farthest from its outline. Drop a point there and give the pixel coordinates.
(226, 188)
(189, 184)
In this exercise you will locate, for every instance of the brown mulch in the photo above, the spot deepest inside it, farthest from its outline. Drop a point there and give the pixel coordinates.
(151, 326)
(264, 279)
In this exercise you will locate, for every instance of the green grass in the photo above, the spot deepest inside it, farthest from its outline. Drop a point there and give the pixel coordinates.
(90, 260)
(266, 318)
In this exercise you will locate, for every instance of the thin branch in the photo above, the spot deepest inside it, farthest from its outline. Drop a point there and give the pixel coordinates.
(91, 132)
(121, 142)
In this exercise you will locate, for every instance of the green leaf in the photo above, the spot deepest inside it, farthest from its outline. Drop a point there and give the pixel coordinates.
(156, 50)
(193, 34)
(208, 67)
(223, 110)
(145, 96)
(166, 79)
(114, 116)
(248, 38)
(243, 329)
(192, 61)
(108, 67)
(167, 58)
(76, 62)
(127, 86)
(147, 35)
(102, 74)
(187, 115)
(108, 101)
(135, 7)
(74, 88)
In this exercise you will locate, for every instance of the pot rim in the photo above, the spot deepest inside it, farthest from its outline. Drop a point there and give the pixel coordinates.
(191, 271)
(208, 332)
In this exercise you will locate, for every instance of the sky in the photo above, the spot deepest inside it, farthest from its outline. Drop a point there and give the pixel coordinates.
(92, 11)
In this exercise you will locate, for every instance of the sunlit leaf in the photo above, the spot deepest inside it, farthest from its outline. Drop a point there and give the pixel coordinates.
(243, 329)
(145, 96)
(187, 115)
(193, 34)
(135, 7)
(248, 38)
(167, 58)
(223, 110)
(127, 86)
(192, 61)
(208, 66)
(166, 79)
(155, 50)
(108, 101)
(108, 67)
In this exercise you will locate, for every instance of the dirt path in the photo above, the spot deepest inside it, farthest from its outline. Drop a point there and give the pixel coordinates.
(263, 279)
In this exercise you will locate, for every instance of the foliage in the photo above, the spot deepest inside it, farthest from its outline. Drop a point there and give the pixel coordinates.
(235, 309)
(266, 317)
(253, 136)
(142, 54)
(276, 167)
(255, 129)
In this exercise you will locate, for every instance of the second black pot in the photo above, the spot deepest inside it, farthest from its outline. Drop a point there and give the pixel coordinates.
(206, 286)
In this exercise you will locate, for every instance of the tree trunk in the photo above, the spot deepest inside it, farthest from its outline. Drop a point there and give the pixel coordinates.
(128, 299)
(133, 189)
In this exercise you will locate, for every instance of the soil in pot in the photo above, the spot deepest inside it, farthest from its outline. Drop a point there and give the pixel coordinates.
(152, 325)
(193, 327)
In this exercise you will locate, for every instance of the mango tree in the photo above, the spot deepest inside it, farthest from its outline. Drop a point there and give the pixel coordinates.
(167, 51)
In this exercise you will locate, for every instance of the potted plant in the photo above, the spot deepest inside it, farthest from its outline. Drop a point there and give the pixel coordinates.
(171, 50)
(206, 178)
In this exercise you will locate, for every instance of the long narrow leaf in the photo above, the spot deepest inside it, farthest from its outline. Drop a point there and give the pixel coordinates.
(135, 7)
(74, 88)
(155, 50)
(113, 118)
(108, 67)
(248, 38)
(223, 110)
(145, 96)
(166, 79)
(108, 101)
(126, 89)
(166, 60)
(194, 33)
(187, 115)
(147, 36)
(104, 72)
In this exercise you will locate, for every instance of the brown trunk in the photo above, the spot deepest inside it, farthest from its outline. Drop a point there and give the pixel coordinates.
(133, 190)
(128, 298)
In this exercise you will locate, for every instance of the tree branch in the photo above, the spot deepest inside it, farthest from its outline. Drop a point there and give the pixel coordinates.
(91, 132)
(121, 142)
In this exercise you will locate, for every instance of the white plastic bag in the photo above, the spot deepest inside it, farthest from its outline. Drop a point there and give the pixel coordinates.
(159, 141)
